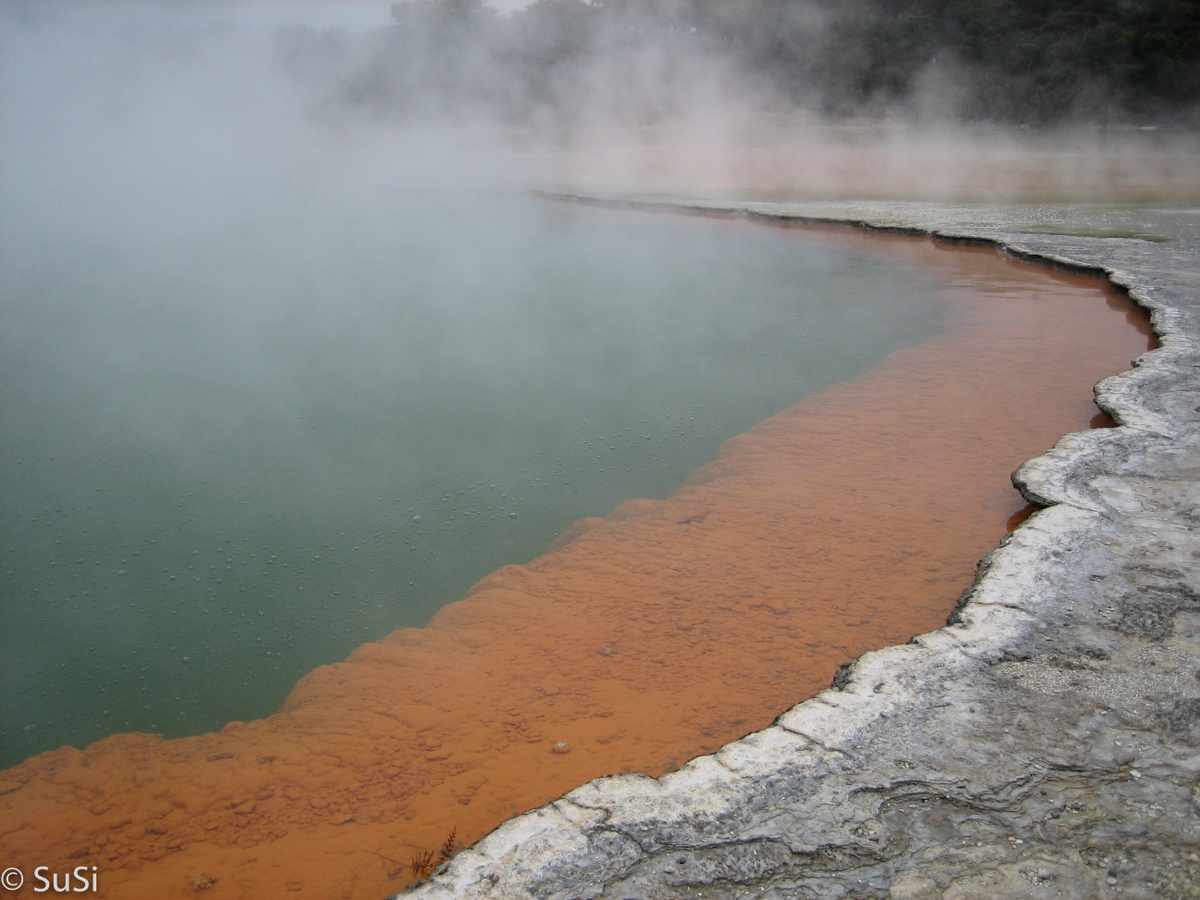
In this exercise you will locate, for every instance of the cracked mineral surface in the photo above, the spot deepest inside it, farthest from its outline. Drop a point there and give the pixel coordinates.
(1044, 744)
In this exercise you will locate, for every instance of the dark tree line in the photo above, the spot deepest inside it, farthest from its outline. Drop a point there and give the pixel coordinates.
(1032, 61)
(1029, 62)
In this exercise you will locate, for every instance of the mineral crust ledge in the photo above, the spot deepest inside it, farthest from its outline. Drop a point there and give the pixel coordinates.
(1044, 744)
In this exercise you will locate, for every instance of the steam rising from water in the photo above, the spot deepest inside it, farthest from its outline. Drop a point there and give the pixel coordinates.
(267, 287)
(274, 385)
(775, 99)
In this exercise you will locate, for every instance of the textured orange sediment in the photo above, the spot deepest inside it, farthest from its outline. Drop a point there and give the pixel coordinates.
(850, 521)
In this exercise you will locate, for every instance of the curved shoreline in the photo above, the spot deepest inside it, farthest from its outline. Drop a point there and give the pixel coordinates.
(706, 614)
(1045, 743)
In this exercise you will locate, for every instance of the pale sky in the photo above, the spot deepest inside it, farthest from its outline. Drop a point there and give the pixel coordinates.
(354, 15)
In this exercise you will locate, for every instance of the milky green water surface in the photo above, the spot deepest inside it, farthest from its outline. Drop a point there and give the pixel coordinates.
(230, 460)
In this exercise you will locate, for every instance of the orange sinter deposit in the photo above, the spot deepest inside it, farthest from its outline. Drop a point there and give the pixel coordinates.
(850, 521)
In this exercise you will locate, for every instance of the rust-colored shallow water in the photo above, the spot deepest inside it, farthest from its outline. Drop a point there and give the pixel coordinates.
(850, 521)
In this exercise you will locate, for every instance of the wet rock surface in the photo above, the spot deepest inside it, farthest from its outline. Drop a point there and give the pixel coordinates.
(1046, 743)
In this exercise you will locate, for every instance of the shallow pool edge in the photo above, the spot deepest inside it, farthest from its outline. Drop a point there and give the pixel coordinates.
(1046, 742)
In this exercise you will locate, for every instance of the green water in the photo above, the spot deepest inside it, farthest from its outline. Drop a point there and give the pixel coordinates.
(276, 380)
(233, 460)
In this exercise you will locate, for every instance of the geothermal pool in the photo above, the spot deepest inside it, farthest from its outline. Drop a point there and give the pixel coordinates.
(493, 495)
(235, 450)
(851, 519)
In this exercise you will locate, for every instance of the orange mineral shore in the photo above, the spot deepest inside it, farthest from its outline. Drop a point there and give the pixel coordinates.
(852, 520)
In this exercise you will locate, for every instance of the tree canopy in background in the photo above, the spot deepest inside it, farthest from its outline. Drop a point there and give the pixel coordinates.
(1026, 61)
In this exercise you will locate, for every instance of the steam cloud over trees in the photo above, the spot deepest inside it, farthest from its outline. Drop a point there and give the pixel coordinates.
(565, 64)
